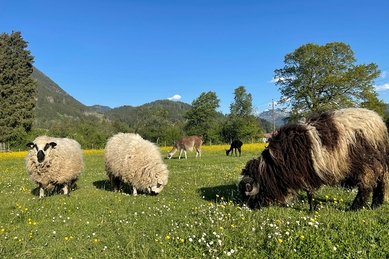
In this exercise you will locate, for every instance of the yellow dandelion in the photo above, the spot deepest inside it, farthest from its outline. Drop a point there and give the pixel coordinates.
(279, 240)
(221, 228)
(243, 218)
(66, 238)
(363, 221)
(95, 240)
(302, 237)
(182, 240)
(167, 237)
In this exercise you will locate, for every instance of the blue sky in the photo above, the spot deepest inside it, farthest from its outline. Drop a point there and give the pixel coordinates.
(127, 52)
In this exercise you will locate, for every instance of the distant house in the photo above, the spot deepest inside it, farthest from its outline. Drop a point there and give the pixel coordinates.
(267, 136)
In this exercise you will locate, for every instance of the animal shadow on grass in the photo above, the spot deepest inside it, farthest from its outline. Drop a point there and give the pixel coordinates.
(124, 188)
(57, 190)
(302, 198)
(220, 193)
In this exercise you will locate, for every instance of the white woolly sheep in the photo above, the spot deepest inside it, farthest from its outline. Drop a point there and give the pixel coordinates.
(133, 160)
(54, 163)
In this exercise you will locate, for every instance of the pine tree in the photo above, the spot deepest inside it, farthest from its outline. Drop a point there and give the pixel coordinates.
(18, 90)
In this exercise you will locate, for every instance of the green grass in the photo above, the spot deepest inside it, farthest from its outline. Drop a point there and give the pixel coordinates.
(197, 215)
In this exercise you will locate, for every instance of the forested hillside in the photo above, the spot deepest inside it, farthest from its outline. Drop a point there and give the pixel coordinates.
(54, 103)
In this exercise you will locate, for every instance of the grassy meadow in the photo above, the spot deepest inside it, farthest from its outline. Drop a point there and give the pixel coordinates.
(197, 215)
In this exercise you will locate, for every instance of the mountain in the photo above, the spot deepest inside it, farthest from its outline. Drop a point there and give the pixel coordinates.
(172, 111)
(55, 104)
(279, 116)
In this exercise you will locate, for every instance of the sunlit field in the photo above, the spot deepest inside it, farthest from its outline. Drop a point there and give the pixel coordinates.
(197, 215)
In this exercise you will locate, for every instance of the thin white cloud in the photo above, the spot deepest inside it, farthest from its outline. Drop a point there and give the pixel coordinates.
(175, 97)
(383, 87)
(275, 79)
(383, 74)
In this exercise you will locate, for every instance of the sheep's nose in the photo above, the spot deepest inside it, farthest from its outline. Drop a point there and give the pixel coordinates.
(41, 156)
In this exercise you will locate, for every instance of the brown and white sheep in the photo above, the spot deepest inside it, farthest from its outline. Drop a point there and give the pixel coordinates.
(346, 147)
(187, 143)
(133, 160)
(54, 163)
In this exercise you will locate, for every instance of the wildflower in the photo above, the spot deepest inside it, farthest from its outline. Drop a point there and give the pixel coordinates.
(95, 240)
(167, 237)
(279, 240)
(182, 240)
(363, 221)
(66, 238)
(302, 237)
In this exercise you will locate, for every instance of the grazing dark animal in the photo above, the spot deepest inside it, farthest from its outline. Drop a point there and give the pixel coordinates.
(235, 145)
(346, 147)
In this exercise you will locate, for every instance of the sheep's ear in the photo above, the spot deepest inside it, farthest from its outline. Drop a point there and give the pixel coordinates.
(51, 144)
(30, 145)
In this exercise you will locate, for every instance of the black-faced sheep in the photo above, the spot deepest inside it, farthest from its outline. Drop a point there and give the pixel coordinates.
(133, 160)
(187, 143)
(54, 163)
(347, 147)
(235, 145)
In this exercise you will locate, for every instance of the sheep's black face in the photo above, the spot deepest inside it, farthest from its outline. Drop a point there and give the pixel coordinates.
(41, 150)
(249, 192)
(40, 156)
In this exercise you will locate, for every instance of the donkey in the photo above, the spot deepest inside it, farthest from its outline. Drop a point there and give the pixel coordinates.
(187, 143)
(236, 144)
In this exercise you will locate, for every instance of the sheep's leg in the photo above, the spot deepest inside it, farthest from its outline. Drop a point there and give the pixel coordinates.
(65, 190)
(179, 157)
(41, 193)
(378, 194)
(240, 152)
(115, 182)
(185, 154)
(311, 201)
(361, 199)
(134, 192)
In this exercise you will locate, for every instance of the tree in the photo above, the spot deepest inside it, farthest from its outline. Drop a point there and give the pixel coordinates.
(243, 103)
(241, 123)
(320, 78)
(202, 116)
(18, 90)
